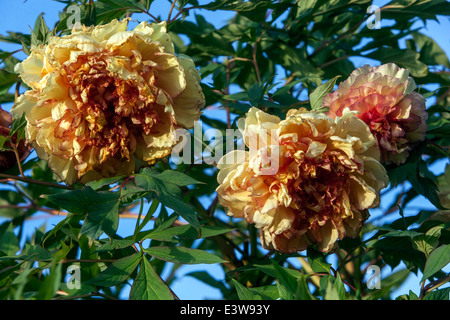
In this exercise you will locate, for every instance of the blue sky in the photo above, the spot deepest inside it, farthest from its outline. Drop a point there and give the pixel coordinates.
(20, 16)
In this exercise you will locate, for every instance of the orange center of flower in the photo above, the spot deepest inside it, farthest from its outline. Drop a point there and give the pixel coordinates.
(381, 117)
(112, 109)
(317, 193)
(317, 186)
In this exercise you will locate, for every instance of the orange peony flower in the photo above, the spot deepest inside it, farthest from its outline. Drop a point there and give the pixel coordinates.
(103, 96)
(311, 179)
(385, 100)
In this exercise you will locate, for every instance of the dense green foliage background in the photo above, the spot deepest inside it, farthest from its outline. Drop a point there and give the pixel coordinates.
(272, 55)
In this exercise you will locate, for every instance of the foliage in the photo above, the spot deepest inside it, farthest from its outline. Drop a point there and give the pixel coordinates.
(275, 55)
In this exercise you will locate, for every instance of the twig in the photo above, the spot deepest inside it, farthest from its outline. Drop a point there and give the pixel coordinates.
(16, 153)
(171, 9)
(255, 63)
(181, 12)
(33, 181)
(432, 285)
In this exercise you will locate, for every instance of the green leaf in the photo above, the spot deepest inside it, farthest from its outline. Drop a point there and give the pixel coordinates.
(437, 260)
(427, 242)
(168, 193)
(63, 252)
(40, 33)
(440, 294)
(406, 10)
(394, 250)
(406, 58)
(335, 289)
(7, 198)
(245, 293)
(178, 178)
(56, 228)
(9, 243)
(84, 200)
(102, 209)
(115, 244)
(51, 283)
(98, 184)
(430, 52)
(231, 5)
(99, 222)
(410, 296)
(36, 253)
(316, 97)
(388, 284)
(107, 10)
(269, 269)
(90, 15)
(285, 279)
(148, 216)
(7, 79)
(183, 255)
(317, 260)
(18, 127)
(148, 285)
(117, 272)
(182, 232)
(206, 278)
(237, 96)
(156, 234)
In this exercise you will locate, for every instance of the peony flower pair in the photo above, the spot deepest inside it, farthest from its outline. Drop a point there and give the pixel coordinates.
(310, 179)
(103, 97)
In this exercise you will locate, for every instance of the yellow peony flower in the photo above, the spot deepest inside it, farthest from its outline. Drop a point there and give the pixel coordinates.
(103, 96)
(311, 179)
(385, 98)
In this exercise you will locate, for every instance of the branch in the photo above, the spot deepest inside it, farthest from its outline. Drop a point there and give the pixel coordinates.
(33, 181)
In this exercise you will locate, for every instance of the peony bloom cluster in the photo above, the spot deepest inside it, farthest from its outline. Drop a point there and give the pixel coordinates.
(7, 157)
(308, 179)
(103, 96)
(385, 99)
